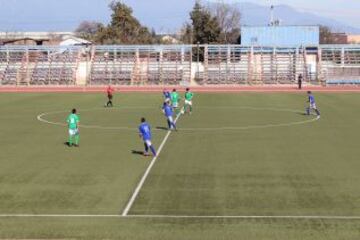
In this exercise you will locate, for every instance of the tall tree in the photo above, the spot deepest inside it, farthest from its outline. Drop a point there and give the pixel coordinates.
(124, 28)
(228, 17)
(186, 34)
(326, 35)
(88, 29)
(205, 27)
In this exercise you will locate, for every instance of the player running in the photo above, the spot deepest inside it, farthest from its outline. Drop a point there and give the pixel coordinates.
(188, 101)
(73, 121)
(109, 92)
(168, 112)
(167, 95)
(311, 100)
(175, 100)
(145, 134)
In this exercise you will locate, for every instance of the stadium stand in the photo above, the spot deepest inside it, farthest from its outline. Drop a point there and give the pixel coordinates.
(139, 65)
(38, 65)
(179, 65)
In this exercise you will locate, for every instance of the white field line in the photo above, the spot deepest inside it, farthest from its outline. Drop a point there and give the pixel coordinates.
(248, 217)
(59, 216)
(290, 217)
(221, 128)
(142, 181)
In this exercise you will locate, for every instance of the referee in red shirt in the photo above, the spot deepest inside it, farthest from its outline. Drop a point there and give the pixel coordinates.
(109, 92)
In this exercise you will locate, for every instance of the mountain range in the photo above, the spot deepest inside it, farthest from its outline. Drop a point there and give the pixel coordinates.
(165, 16)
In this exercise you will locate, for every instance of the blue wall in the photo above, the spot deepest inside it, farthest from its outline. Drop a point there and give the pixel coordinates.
(280, 36)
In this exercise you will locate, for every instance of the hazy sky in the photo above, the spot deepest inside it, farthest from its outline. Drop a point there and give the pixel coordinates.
(20, 15)
(347, 11)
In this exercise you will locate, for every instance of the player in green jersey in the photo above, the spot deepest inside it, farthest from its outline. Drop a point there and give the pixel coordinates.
(175, 100)
(73, 121)
(188, 101)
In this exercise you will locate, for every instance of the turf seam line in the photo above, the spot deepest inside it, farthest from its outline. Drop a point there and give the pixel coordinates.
(142, 181)
(319, 217)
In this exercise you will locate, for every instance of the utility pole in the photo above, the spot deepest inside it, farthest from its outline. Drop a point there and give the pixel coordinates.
(272, 15)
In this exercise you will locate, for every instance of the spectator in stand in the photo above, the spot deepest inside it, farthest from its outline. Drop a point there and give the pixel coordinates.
(300, 79)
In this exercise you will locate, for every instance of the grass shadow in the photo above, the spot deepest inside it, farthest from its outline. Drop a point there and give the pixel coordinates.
(137, 152)
(162, 128)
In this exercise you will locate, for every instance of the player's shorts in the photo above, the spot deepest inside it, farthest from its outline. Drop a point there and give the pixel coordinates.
(170, 118)
(188, 102)
(175, 104)
(110, 96)
(148, 143)
(73, 132)
(313, 106)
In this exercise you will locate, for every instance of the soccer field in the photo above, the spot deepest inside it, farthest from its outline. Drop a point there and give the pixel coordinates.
(242, 166)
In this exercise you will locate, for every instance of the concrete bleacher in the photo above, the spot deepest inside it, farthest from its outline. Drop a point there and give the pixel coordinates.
(178, 65)
(37, 66)
(343, 82)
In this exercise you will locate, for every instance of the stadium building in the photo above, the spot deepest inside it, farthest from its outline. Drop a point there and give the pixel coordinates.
(41, 38)
(280, 36)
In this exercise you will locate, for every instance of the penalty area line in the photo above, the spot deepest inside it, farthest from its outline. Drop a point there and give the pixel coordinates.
(142, 181)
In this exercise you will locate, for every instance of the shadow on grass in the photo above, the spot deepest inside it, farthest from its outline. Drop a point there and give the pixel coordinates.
(162, 128)
(302, 114)
(137, 152)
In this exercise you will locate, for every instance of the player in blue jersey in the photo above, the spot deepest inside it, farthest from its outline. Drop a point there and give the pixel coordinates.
(169, 112)
(311, 100)
(167, 95)
(145, 134)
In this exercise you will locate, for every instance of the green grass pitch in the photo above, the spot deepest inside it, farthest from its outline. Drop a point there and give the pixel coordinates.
(245, 154)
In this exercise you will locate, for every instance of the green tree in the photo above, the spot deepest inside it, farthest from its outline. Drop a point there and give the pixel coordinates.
(88, 29)
(228, 17)
(123, 28)
(186, 35)
(326, 35)
(205, 27)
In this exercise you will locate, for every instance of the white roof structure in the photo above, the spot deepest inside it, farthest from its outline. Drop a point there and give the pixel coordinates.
(56, 38)
(74, 41)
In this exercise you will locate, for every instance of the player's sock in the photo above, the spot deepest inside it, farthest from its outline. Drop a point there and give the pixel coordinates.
(111, 104)
(307, 111)
(173, 125)
(70, 141)
(317, 112)
(169, 123)
(190, 108)
(77, 139)
(153, 150)
(146, 148)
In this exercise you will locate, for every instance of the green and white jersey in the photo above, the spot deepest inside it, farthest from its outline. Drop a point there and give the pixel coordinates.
(189, 96)
(73, 121)
(174, 97)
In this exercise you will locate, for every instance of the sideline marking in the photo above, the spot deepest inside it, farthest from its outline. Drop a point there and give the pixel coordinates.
(142, 181)
(41, 119)
(318, 217)
(247, 217)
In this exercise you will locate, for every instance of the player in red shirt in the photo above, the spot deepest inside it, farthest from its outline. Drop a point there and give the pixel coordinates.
(109, 92)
